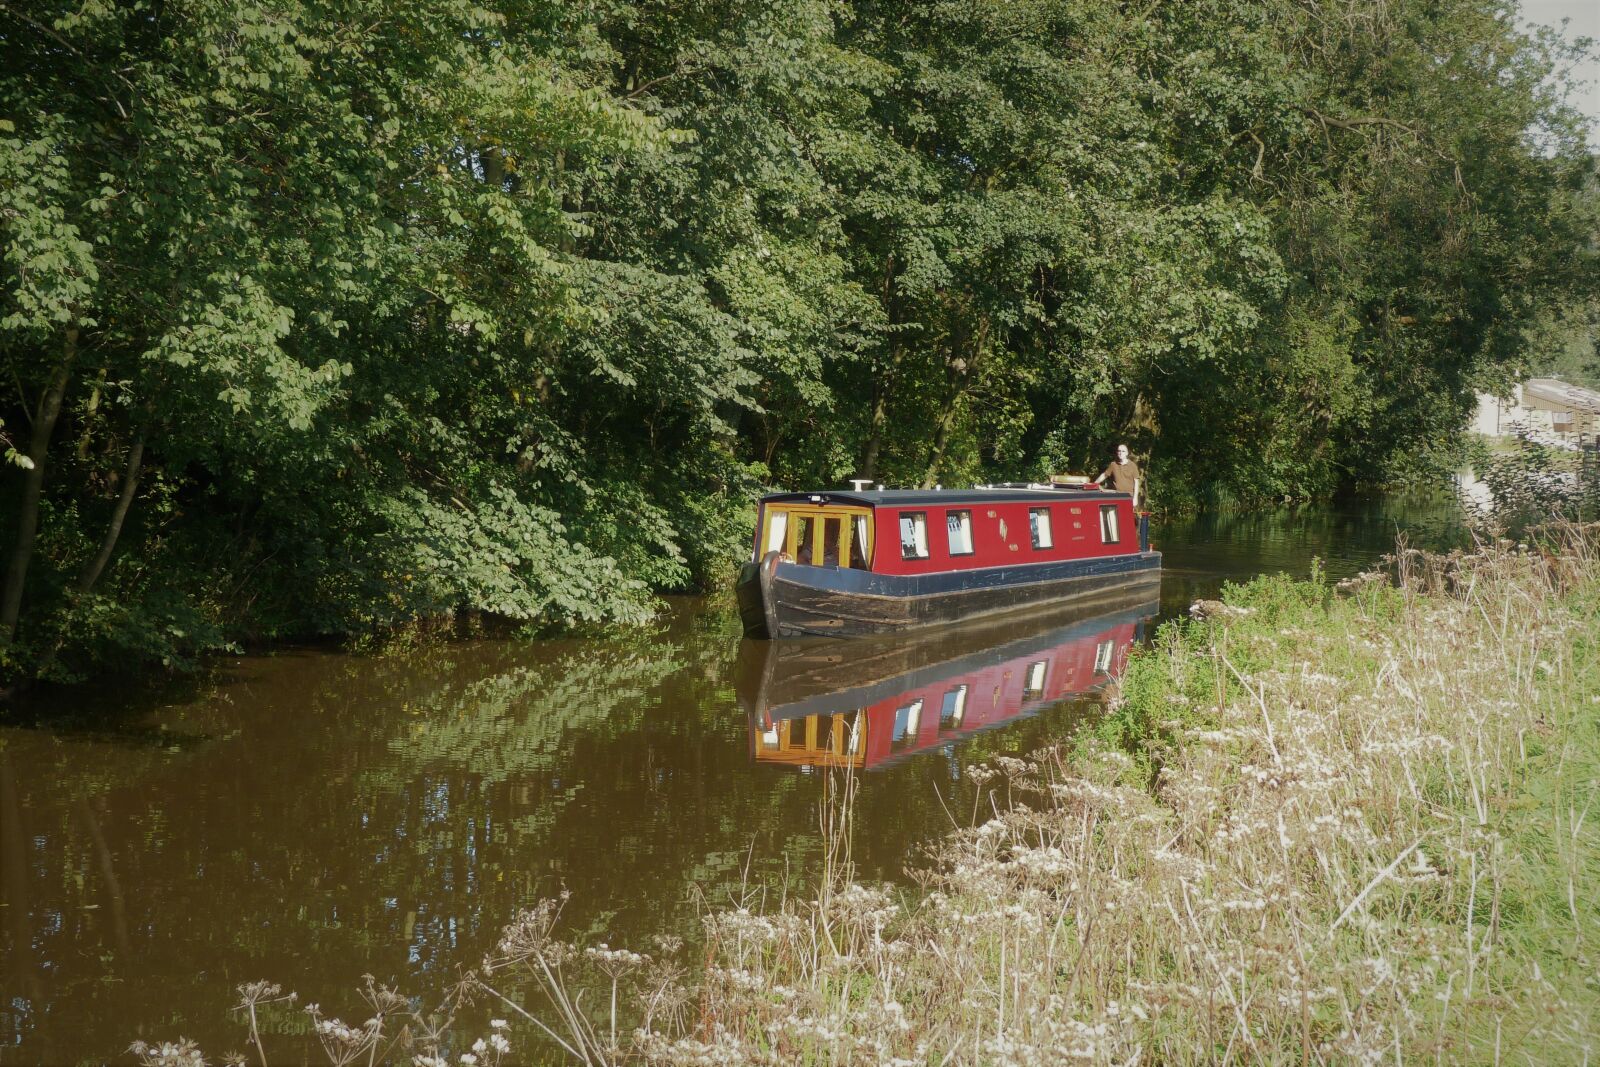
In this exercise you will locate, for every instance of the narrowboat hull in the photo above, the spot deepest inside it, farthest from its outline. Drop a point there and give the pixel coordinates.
(781, 599)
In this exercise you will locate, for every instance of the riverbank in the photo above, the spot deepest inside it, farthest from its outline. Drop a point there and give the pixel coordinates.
(1317, 827)
(1326, 823)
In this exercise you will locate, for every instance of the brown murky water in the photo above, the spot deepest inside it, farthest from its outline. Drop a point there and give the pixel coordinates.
(314, 816)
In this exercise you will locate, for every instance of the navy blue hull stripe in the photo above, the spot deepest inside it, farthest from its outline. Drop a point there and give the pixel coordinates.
(900, 586)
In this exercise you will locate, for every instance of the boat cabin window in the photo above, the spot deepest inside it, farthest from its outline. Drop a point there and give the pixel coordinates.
(1039, 524)
(852, 732)
(913, 535)
(815, 739)
(1108, 524)
(958, 525)
(838, 734)
(953, 708)
(858, 543)
(777, 532)
(1035, 687)
(907, 718)
(819, 537)
(805, 539)
(1102, 656)
(832, 534)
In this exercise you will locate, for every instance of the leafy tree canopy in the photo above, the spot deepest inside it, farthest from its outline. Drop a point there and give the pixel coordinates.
(328, 315)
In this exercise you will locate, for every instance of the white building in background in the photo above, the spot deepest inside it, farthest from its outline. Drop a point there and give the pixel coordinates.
(1546, 409)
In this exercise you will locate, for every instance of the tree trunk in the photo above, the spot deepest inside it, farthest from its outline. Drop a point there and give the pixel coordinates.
(89, 412)
(941, 441)
(20, 961)
(882, 383)
(494, 167)
(880, 414)
(44, 424)
(91, 574)
(961, 379)
(108, 871)
(130, 485)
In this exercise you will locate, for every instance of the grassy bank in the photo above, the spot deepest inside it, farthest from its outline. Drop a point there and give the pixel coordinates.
(1320, 826)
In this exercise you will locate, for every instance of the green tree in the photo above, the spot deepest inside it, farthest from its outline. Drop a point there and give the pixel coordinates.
(337, 316)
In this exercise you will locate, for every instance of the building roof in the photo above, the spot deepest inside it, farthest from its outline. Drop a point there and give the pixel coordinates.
(944, 497)
(1556, 391)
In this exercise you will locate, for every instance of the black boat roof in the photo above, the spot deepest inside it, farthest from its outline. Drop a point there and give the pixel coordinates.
(913, 497)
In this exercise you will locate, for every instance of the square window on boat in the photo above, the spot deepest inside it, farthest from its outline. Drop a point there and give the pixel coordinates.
(858, 543)
(907, 717)
(805, 539)
(913, 535)
(954, 707)
(1108, 524)
(777, 532)
(1039, 525)
(1035, 687)
(958, 524)
(1102, 656)
(852, 731)
(832, 537)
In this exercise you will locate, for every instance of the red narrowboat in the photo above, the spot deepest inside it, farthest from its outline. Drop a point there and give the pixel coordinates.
(871, 703)
(847, 563)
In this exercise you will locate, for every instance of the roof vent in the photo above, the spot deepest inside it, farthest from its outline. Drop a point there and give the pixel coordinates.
(860, 484)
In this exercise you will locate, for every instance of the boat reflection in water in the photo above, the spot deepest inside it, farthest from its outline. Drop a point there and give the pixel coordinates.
(868, 702)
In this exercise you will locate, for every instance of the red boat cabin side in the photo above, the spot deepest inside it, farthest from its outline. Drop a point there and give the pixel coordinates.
(921, 536)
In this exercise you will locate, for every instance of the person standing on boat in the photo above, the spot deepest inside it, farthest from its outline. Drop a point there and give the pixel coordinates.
(1124, 475)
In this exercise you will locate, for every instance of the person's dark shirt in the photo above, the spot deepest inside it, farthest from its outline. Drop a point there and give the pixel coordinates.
(1122, 476)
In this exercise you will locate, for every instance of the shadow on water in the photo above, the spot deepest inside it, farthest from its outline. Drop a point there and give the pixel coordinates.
(313, 816)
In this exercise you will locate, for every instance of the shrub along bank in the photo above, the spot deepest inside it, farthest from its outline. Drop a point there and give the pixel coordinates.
(1318, 827)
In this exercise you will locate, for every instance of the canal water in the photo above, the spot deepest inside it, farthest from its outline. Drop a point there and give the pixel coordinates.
(313, 816)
